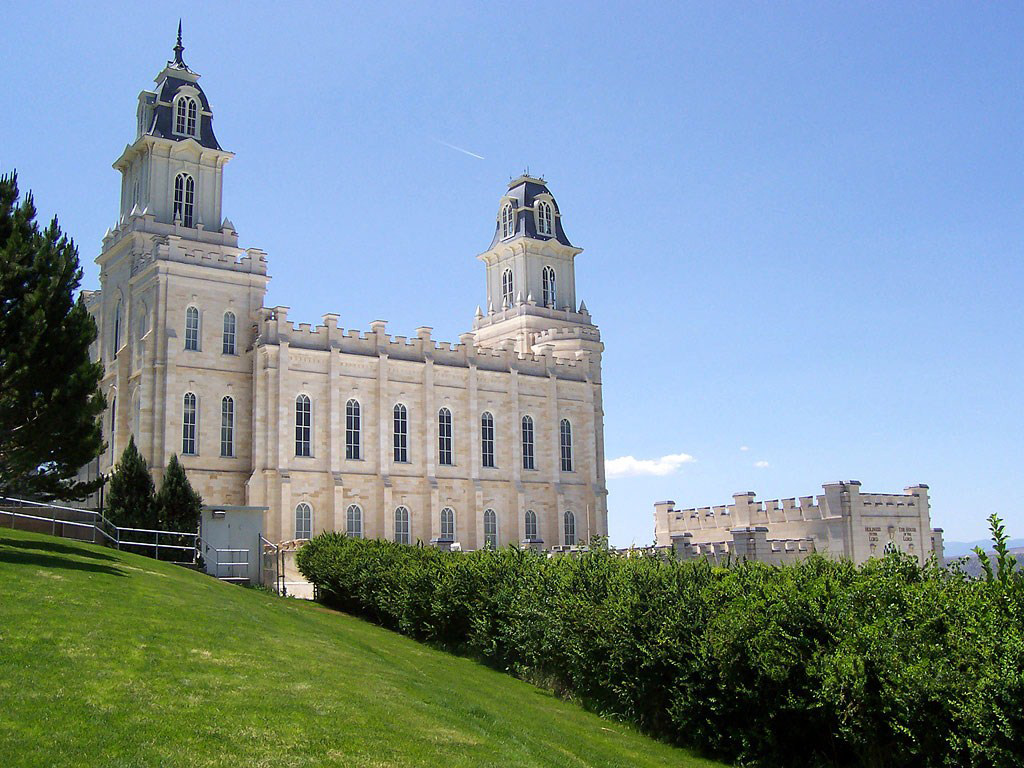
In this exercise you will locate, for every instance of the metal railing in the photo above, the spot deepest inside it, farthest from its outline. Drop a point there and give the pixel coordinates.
(224, 562)
(96, 528)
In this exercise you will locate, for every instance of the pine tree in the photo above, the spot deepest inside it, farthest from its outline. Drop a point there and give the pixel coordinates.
(132, 495)
(178, 504)
(50, 401)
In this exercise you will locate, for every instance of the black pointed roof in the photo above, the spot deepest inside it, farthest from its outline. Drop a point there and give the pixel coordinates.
(523, 193)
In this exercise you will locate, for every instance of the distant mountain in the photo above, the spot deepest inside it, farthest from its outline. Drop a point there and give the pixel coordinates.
(972, 567)
(961, 548)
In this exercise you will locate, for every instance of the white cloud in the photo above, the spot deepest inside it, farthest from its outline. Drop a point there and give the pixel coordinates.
(628, 466)
(744, 447)
(762, 464)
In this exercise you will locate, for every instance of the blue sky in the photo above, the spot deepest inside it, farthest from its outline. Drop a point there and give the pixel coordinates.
(802, 223)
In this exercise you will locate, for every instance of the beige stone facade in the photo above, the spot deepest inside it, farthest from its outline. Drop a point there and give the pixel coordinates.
(841, 522)
(495, 439)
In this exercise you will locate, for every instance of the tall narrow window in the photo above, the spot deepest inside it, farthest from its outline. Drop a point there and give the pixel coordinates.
(569, 528)
(354, 522)
(490, 529)
(401, 430)
(353, 430)
(113, 428)
(508, 221)
(402, 525)
(193, 118)
(506, 287)
(228, 345)
(444, 437)
(192, 328)
(184, 199)
(487, 439)
(227, 427)
(548, 279)
(544, 226)
(303, 426)
(188, 425)
(117, 329)
(181, 116)
(528, 443)
(565, 432)
(303, 521)
(531, 526)
(447, 524)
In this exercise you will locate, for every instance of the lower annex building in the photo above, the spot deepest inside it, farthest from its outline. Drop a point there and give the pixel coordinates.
(496, 439)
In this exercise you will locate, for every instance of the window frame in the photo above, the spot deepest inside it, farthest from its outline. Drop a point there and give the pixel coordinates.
(353, 430)
(227, 427)
(508, 221)
(304, 431)
(193, 333)
(528, 442)
(508, 290)
(544, 218)
(530, 521)
(229, 336)
(184, 199)
(569, 528)
(308, 514)
(445, 438)
(549, 286)
(487, 442)
(354, 531)
(403, 525)
(490, 522)
(447, 528)
(400, 433)
(189, 430)
(565, 445)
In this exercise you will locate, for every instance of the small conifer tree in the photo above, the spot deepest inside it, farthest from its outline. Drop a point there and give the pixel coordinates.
(177, 503)
(131, 498)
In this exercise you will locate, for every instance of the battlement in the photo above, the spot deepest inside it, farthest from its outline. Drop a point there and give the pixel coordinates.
(274, 328)
(588, 333)
(144, 222)
(521, 309)
(250, 261)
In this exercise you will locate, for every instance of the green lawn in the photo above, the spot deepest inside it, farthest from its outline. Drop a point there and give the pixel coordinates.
(112, 659)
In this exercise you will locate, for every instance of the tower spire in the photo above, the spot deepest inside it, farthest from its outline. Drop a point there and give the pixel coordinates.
(178, 48)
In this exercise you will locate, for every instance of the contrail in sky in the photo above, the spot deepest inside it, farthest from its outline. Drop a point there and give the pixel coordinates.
(460, 149)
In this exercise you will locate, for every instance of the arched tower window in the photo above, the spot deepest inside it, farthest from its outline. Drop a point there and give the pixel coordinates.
(192, 328)
(228, 345)
(447, 524)
(528, 443)
(186, 117)
(303, 521)
(189, 417)
(444, 437)
(508, 221)
(548, 280)
(544, 222)
(531, 526)
(490, 529)
(487, 439)
(569, 528)
(565, 435)
(184, 199)
(303, 426)
(227, 427)
(353, 430)
(401, 433)
(354, 522)
(117, 329)
(506, 287)
(402, 534)
(113, 427)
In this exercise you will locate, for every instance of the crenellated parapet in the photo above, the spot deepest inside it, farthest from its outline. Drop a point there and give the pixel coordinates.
(274, 328)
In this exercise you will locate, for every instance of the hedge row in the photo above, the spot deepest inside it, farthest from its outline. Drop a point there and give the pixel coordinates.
(820, 663)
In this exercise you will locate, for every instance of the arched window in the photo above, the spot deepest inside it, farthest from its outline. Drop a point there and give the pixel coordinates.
(193, 118)
(401, 430)
(565, 432)
(227, 427)
(548, 279)
(531, 526)
(189, 418)
(192, 328)
(444, 437)
(353, 431)
(228, 345)
(528, 443)
(113, 427)
(184, 199)
(506, 287)
(354, 522)
(508, 221)
(544, 224)
(303, 521)
(117, 329)
(447, 524)
(402, 525)
(569, 528)
(490, 529)
(186, 117)
(487, 439)
(303, 426)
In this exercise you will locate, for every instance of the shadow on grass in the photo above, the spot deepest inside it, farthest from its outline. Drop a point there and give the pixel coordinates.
(55, 546)
(23, 556)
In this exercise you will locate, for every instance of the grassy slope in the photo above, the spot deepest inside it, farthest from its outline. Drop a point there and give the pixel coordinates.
(113, 659)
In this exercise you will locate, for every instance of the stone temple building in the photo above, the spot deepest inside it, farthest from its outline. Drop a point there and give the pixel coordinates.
(841, 522)
(495, 439)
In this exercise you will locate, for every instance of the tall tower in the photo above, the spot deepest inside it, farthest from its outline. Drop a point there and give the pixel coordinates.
(531, 279)
(178, 297)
